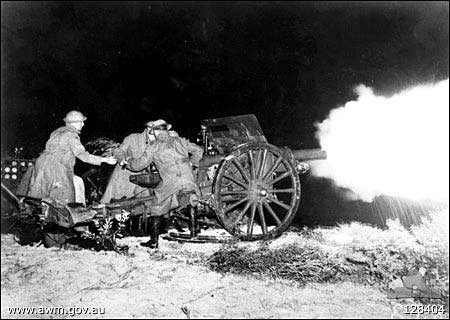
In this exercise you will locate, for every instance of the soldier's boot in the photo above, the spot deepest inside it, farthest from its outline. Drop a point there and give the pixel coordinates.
(155, 223)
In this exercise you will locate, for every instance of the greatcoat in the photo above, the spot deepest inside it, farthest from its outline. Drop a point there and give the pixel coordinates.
(53, 172)
(171, 158)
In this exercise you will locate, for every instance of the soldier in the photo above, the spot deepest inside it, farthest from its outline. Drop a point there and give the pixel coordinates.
(119, 185)
(171, 157)
(53, 175)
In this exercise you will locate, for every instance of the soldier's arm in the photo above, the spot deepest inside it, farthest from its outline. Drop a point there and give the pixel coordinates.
(138, 164)
(80, 152)
(122, 151)
(195, 151)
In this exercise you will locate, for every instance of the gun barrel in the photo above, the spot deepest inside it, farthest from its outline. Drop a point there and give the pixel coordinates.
(309, 154)
(207, 160)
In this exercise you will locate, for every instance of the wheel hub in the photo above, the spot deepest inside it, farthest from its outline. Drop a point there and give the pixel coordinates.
(262, 192)
(258, 191)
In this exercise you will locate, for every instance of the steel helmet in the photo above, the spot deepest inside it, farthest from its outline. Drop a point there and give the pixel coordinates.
(74, 116)
(159, 124)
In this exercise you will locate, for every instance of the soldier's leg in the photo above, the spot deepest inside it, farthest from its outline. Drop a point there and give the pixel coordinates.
(192, 207)
(79, 190)
(194, 226)
(157, 212)
(154, 225)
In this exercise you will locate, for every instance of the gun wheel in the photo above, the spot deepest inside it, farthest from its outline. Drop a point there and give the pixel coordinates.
(257, 192)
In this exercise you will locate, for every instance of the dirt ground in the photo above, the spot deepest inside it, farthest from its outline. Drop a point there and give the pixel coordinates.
(169, 283)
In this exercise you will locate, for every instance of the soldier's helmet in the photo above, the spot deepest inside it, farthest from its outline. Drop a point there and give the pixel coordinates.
(159, 125)
(74, 116)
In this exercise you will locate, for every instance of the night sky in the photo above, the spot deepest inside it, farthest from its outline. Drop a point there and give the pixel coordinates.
(289, 63)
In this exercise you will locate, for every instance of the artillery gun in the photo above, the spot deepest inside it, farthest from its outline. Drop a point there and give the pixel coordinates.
(249, 187)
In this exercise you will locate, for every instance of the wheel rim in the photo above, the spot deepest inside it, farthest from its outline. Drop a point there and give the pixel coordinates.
(257, 192)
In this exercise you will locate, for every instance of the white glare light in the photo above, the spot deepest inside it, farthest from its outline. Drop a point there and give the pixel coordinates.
(14, 170)
(7, 169)
(14, 176)
(22, 164)
(378, 145)
(30, 163)
(7, 176)
(14, 163)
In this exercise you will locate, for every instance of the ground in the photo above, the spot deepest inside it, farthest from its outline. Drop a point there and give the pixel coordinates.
(172, 282)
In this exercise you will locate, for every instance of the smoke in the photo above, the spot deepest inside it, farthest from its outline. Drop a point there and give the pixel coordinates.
(393, 146)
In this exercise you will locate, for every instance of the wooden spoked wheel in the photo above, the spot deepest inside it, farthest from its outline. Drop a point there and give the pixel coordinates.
(256, 191)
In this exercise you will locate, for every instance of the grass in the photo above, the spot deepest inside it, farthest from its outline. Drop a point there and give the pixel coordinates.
(350, 252)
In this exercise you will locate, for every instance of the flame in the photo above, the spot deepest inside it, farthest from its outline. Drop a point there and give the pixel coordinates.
(393, 146)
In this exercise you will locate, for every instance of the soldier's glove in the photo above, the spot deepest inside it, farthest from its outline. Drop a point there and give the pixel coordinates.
(123, 162)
